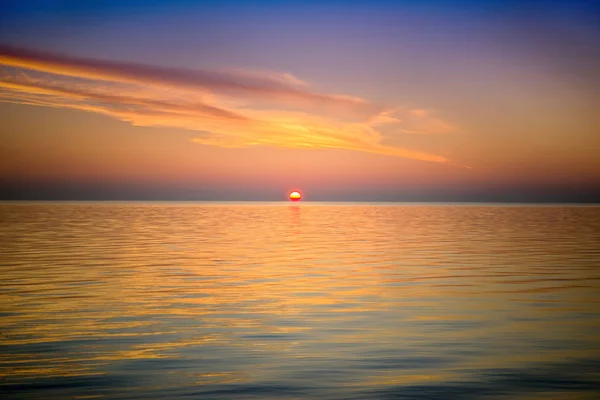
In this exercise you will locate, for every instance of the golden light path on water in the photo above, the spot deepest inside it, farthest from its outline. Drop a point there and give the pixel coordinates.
(280, 300)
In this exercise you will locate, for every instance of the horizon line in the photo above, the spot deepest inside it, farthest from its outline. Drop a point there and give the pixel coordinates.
(316, 202)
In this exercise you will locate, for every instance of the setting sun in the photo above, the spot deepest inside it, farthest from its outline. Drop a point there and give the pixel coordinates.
(295, 195)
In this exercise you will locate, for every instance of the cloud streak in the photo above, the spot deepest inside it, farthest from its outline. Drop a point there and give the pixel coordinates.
(274, 87)
(229, 108)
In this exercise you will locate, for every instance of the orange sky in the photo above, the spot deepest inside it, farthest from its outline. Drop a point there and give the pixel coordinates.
(397, 103)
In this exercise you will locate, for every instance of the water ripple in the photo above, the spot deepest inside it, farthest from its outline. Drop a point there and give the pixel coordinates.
(138, 301)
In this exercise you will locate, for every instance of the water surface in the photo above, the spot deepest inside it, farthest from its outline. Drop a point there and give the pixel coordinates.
(299, 301)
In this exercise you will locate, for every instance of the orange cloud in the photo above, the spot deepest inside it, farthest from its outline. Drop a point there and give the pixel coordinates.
(231, 108)
(274, 87)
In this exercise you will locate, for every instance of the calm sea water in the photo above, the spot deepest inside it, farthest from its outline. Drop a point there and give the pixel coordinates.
(309, 301)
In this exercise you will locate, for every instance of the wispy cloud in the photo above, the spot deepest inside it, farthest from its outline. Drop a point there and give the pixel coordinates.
(229, 108)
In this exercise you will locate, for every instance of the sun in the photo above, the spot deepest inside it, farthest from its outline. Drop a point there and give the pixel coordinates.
(295, 195)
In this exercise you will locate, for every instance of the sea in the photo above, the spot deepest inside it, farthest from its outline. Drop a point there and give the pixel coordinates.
(142, 300)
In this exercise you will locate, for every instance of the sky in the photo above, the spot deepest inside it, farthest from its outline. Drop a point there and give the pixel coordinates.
(344, 101)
